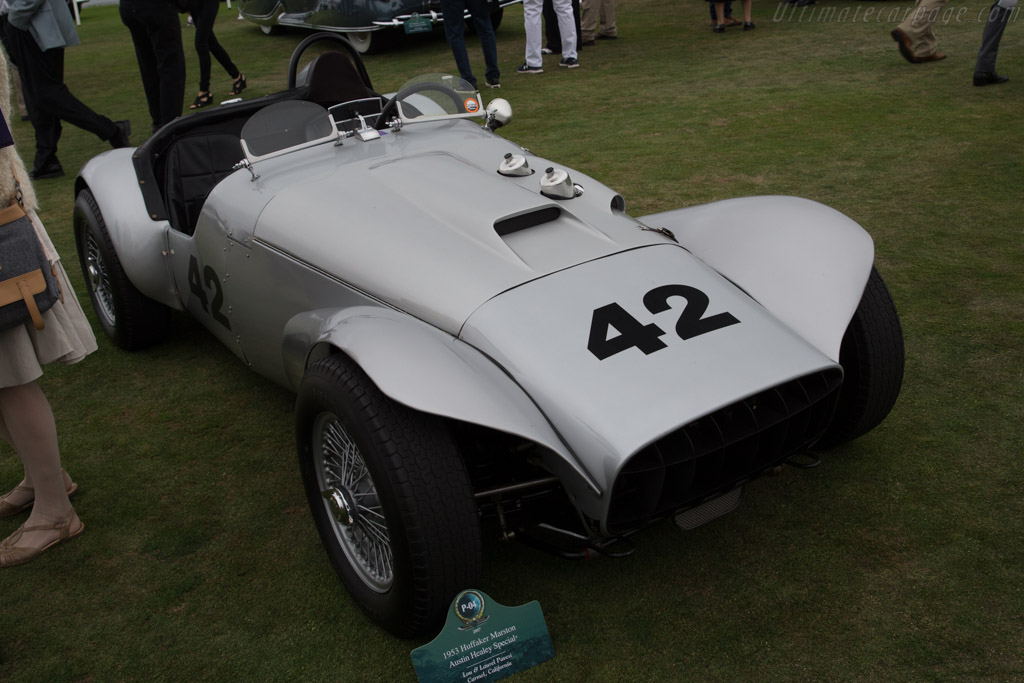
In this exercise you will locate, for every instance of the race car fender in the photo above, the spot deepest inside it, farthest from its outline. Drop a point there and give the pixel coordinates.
(806, 263)
(140, 241)
(425, 369)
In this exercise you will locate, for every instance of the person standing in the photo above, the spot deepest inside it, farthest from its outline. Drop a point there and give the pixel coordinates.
(915, 36)
(454, 12)
(26, 419)
(985, 66)
(594, 14)
(37, 32)
(552, 36)
(204, 16)
(156, 34)
(532, 11)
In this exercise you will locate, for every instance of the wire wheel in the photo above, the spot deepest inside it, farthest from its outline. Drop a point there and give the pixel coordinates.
(352, 503)
(99, 280)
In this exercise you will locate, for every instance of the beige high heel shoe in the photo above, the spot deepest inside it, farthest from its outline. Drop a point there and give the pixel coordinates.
(9, 510)
(12, 555)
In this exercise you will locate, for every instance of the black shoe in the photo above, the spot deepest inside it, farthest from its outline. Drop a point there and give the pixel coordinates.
(718, 28)
(604, 37)
(748, 26)
(120, 138)
(51, 170)
(493, 82)
(989, 79)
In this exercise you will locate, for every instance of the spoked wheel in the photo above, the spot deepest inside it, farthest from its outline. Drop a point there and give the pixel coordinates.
(872, 356)
(352, 502)
(390, 497)
(131, 319)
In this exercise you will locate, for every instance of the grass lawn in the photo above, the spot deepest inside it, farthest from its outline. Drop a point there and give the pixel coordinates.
(900, 558)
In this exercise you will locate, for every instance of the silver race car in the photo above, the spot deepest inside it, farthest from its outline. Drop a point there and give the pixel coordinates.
(481, 338)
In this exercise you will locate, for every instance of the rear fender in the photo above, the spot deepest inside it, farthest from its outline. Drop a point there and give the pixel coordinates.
(803, 261)
(430, 371)
(139, 240)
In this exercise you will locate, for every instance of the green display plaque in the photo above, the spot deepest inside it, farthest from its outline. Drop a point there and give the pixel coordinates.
(483, 640)
(418, 24)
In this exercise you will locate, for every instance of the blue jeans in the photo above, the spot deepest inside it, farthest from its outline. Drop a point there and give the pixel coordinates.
(454, 31)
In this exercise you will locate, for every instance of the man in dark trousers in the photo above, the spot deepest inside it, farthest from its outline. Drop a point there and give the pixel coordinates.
(37, 32)
(156, 34)
(454, 30)
(985, 67)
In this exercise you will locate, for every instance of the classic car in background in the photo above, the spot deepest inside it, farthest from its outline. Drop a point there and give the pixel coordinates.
(370, 25)
(480, 338)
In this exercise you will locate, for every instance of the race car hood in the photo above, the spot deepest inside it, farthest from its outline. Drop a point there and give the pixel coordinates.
(431, 232)
(621, 351)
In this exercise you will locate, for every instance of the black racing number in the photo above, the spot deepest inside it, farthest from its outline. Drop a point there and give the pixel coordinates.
(633, 333)
(195, 284)
(692, 322)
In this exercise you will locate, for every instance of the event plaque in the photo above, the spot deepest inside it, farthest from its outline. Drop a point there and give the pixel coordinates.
(484, 641)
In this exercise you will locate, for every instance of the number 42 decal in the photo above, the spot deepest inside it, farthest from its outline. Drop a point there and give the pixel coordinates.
(195, 285)
(632, 332)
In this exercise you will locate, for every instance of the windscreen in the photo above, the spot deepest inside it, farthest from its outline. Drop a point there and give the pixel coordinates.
(285, 124)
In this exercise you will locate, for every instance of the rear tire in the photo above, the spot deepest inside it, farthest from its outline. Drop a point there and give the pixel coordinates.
(390, 497)
(872, 356)
(132, 320)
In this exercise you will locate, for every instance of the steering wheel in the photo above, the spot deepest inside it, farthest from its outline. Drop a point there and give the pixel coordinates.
(293, 65)
(391, 108)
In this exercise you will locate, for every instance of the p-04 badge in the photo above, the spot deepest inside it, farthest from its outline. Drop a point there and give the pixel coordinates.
(469, 608)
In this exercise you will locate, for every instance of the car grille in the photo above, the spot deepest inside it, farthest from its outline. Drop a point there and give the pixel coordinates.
(716, 453)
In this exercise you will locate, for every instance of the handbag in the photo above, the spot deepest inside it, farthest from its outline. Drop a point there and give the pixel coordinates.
(28, 282)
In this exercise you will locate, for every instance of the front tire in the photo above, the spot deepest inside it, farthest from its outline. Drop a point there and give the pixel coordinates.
(132, 320)
(872, 356)
(390, 497)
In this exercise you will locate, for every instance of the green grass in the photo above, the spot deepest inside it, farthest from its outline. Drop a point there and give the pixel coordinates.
(899, 559)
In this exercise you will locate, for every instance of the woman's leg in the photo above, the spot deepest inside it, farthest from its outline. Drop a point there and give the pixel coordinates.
(32, 431)
(203, 16)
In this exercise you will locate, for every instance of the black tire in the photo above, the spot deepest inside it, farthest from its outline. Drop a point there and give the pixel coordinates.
(872, 356)
(416, 510)
(132, 320)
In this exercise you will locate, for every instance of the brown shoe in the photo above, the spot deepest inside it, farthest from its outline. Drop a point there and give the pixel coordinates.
(9, 509)
(904, 44)
(934, 57)
(12, 555)
(732, 21)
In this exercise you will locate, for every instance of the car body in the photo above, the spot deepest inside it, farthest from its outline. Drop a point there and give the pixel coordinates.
(368, 24)
(474, 332)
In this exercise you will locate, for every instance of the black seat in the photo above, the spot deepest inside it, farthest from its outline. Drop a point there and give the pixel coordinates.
(194, 164)
(332, 79)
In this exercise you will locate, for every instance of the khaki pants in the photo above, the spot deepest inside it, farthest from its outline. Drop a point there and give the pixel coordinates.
(593, 13)
(920, 24)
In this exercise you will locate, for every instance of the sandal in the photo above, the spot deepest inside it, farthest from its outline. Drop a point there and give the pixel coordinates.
(239, 85)
(9, 510)
(12, 555)
(203, 99)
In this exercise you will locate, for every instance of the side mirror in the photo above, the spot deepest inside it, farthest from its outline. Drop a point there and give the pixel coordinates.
(499, 113)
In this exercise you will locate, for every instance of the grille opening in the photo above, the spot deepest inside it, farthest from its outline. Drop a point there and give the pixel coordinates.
(719, 451)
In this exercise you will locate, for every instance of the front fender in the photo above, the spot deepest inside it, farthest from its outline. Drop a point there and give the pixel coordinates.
(139, 240)
(803, 261)
(430, 371)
